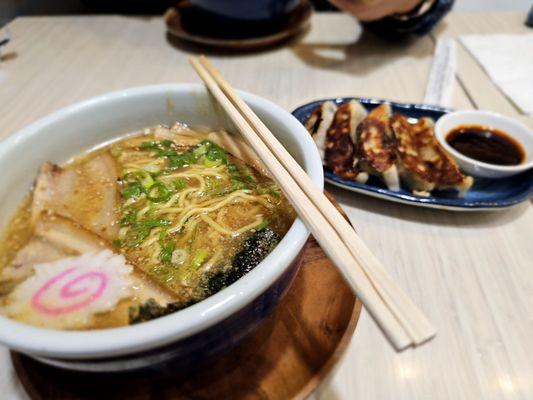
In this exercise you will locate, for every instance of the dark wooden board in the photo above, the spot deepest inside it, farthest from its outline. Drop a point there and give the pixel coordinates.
(287, 357)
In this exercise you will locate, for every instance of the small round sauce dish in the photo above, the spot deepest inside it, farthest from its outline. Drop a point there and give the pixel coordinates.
(486, 144)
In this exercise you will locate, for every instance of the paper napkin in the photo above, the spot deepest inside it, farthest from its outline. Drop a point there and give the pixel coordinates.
(508, 60)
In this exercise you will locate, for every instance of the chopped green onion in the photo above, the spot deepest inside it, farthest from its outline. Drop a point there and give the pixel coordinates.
(167, 153)
(272, 189)
(162, 148)
(152, 168)
(232, 168)
(146, 179)
(179, 184)
(209, 163)
(166, 253)
(148, 145)
(150, 214)
(141, 176)
(162, 236)
(158, 193)
(276, 193)
(200, 150)
(136, 234)
(235, 185)
(243, 179)
(158, 222)
(199, 258)
(218, 192)
(132, 190)
(167, 143)
(246, 173)
(153, 144)
(129, 215)
(116, 242)
(239, 185)
(140, 231)
(129, 177)
(165, 273)
(181, 160)
(262, 225)
(213, 182)
(215, 152)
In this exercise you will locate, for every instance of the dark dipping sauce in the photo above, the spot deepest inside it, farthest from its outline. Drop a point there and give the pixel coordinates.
(486, 144)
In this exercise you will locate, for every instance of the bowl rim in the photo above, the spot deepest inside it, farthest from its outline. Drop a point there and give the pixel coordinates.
(441, 137)
(185, 323)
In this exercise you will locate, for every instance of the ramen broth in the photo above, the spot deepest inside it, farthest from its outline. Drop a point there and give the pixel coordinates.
(138, 229)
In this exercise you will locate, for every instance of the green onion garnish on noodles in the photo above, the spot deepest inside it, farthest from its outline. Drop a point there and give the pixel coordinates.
(181, 160)
(179, 184)
(262, 225)
(141, 176)
(140, 230)
(215, 152)
(153, 169)
(148, 145)
(146, 179)
(129, 216)
(132, 190)
(208, 163)
(200, 150)
(199, 258)
(166, 253)
(158, 193)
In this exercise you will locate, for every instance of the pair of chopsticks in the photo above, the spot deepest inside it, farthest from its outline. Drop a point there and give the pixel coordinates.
(399, 319)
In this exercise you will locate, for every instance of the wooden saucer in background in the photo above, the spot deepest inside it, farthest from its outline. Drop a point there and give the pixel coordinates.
(288, 356)
(297, 22)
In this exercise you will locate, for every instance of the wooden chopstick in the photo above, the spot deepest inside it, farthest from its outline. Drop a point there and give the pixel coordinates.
(416, 323)
(397, 316)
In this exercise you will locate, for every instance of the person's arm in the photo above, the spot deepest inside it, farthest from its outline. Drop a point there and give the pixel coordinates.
(397, 17)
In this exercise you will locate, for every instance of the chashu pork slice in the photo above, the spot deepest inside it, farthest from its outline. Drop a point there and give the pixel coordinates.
(423, 164)
(85, 192)
(375, 146)
(318, 124)
(340, 154)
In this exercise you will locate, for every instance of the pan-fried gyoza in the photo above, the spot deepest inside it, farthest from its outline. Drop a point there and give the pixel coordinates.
(357, 144)
(375, 145)
(422, 161)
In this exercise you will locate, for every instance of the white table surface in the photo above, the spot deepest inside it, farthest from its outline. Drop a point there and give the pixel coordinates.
(471, 273)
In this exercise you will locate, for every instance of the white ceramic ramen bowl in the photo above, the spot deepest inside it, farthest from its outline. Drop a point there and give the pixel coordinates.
(186, 338)
(513, 128)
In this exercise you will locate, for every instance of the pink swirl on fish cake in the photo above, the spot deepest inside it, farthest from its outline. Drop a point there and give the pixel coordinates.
(69, 291)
